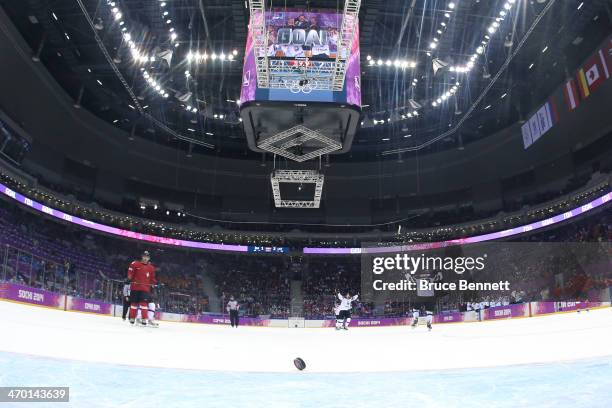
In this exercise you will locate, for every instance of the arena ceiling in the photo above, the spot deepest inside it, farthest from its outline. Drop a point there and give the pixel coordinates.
(401, 41)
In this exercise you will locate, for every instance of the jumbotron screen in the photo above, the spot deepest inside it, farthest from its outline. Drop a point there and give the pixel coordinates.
(301, 37)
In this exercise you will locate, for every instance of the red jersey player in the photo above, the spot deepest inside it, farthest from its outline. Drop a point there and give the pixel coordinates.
(141, 275)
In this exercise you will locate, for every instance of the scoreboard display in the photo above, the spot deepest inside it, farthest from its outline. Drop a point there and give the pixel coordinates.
(304, 40)
(298, 34)
(269, 250)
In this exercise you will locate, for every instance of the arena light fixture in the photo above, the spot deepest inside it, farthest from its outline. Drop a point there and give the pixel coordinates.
(285, 143)
(297, 177)
(154, 85)
(173, 35)
(127, 37)
(127, 86)
(396, 63)
(466, 68)
(443, 26)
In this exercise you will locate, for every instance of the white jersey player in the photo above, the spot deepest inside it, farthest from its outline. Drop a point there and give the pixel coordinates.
(422, 315)
(150, 316)
(336, 310)
(343, 319)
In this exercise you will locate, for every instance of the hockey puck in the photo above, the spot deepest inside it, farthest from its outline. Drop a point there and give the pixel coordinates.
(299, 364)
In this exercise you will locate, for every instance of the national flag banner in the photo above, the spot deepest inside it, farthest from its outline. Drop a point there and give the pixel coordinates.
(582, 84)
(526, 132)
(604, 63)
(607, 53)
(534, 125)
(592, 75)
(544, 118)
(552, 108)
(570, 94)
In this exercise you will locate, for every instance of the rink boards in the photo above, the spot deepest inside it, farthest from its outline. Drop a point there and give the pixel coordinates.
(40, 297)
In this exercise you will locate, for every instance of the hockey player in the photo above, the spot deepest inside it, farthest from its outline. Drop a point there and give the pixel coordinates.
(232, 308)
(422, 314)
(429, 319)
(415, 318)
(126, 299)
(336, 310)
(152, 306)
(141, 274)
(343, 318)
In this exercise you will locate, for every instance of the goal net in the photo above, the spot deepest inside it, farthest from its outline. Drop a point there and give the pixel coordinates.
(296, 323)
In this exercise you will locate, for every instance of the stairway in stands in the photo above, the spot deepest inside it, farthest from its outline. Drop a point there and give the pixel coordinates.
(297, 299)
(214, 301)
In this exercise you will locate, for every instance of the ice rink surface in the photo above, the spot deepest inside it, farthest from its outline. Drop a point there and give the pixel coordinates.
(555, 361)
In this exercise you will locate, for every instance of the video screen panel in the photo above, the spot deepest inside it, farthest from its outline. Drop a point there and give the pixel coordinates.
(300, 34)
(301, 37)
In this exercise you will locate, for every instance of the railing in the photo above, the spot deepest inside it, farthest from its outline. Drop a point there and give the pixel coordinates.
(23, 267)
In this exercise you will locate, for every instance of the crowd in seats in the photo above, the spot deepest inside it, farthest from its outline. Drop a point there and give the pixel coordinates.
(433, 224)
(261, 285)
(35, 255)
(45, 253)
(565, 263)
(324, 278)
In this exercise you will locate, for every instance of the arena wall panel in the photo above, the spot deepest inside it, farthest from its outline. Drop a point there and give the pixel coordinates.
(471, 316)
(506, 312)
(89, 306)
(543, 308)
(28, 295)
(454, 317)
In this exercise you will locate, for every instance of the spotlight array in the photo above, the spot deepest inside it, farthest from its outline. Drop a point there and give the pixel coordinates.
(480, 49)
(137, 55)
(409, 115)
(197, 57)
(491, 30)
(153, 84)
(165, 14)
(442, 26)
(446, 95)
(397, 63)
